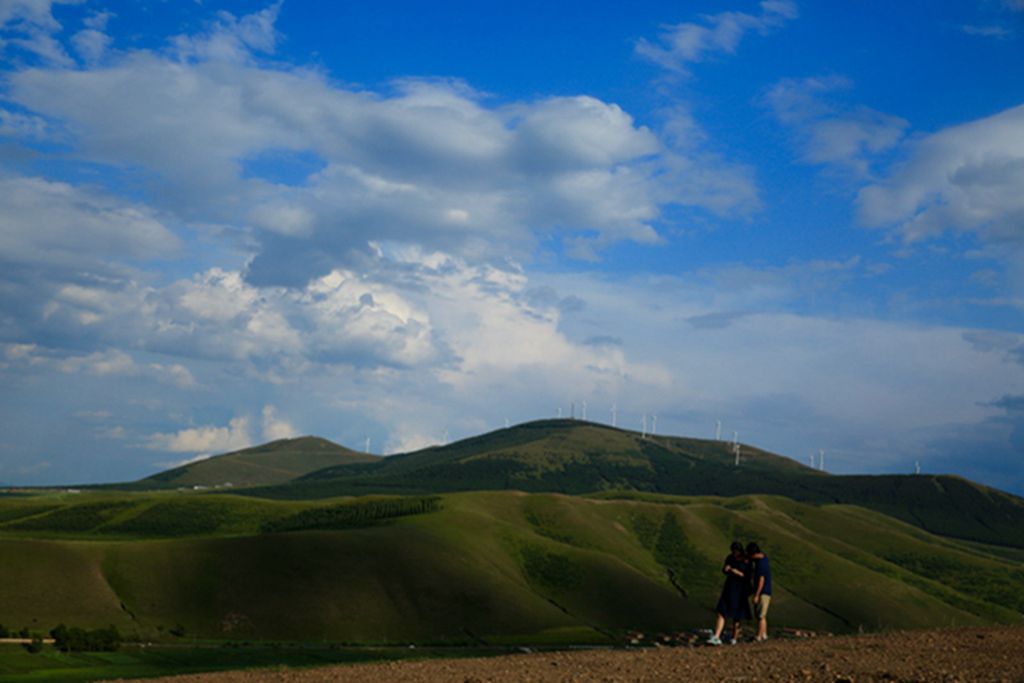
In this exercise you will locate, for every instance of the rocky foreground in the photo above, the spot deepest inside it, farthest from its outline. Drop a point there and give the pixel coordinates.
(991, 654)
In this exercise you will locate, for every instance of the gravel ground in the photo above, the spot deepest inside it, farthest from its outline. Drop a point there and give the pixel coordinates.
(992, 654)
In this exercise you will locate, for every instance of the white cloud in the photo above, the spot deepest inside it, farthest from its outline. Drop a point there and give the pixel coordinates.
(205, 440)
(828, 132)
(30, 25)
(274, 427)
(428, 162)
(230, 38)
(688, 43)
(46, 222)
(963, 178)
(91, 44)
(109, 363)
(15, 125)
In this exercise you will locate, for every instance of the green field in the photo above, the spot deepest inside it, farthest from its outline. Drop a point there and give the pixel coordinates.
(574, 457)
(139, 661)
(548, 534)
(272, 463)
(473, 567)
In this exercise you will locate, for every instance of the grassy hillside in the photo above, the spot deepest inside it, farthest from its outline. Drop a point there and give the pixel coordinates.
(471, 567)
(272, 463)
(569, 456)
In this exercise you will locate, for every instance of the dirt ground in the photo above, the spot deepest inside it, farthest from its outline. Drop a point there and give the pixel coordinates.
(991, 654)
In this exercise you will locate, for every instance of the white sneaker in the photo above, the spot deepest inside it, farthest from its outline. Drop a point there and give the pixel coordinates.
(714, 640)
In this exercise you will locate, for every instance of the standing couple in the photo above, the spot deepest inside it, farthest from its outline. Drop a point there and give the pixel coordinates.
(748, 576)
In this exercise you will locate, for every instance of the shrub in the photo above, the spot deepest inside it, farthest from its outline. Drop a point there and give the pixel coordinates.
(354, 515)
(82, 640)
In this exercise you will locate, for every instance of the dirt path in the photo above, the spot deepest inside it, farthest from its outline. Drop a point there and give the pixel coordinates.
(962, 655)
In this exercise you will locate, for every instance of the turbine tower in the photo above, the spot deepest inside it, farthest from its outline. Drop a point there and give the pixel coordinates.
(917, 467)
(367, 444)
(718, 430)
(654, 425)
(615, 414)
(736, 452)
(584, 411)
(821, 459)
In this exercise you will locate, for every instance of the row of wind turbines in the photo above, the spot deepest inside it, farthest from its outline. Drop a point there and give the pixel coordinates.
(816, 463)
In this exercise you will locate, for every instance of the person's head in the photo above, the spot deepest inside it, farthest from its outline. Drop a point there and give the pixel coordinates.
(753, 549)
(736, 548)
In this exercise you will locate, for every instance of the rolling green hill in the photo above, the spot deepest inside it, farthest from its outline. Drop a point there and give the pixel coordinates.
(575, 457)
(471, 567)
(272, 463)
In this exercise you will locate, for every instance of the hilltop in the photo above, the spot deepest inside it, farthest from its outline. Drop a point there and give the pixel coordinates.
(272, 463)
(576, 457)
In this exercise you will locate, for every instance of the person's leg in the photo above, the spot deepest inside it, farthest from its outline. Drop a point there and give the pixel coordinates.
(719, 625)
(762, 617)
(737, 629)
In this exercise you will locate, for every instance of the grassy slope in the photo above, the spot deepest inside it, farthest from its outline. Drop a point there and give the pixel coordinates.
(492, 566)
(271, 463)
(574, 457)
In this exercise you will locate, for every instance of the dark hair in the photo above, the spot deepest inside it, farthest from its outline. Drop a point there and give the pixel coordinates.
(753, 548)
(736, 547)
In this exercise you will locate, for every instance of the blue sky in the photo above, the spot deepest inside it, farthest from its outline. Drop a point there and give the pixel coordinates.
(224, 223)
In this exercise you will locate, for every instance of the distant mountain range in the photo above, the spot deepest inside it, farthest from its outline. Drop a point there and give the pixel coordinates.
(557, 531)
(576, 457)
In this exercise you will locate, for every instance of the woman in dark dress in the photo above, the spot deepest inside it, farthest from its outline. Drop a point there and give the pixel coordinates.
(733, 602)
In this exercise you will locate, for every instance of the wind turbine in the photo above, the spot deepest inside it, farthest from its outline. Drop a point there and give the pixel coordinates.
(654, 425)
(615, 414)
(917, 467)
(584, 411)
(821, 459)
(718, 430)
(736, 452)
(367, 444)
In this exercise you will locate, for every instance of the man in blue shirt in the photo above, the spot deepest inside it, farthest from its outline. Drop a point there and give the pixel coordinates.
(760, 589)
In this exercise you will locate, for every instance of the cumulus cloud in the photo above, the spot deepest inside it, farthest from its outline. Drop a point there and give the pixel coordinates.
(205, 440)
(688, 43)
(426, 162)
(829, 132)
(959, 179)
(274, 427)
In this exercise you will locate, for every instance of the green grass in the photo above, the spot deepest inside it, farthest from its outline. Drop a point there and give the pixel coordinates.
(18, 666)
(477, 567)
(574, 457)
(272, 463)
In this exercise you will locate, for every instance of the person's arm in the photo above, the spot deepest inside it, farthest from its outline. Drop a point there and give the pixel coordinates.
(729, 569)
(760, 587)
